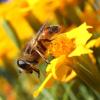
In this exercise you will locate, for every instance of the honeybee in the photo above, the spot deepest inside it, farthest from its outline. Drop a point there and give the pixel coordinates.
(35, 49)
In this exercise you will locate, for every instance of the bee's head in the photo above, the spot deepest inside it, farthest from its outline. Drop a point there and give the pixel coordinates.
(54, 29)
(22, 64)
(27, 66)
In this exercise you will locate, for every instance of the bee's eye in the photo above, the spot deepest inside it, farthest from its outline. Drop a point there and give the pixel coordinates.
(21, 63)
(53, 29)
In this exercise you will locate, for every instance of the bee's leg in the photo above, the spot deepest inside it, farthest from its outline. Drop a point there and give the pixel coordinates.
(35, 68)
(42, 56)
(37, 71)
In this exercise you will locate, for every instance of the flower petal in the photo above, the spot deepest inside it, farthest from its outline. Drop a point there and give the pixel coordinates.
(59, 68)
(37, 92)
(71, 76)
(91, 43)
(79, 51)
(80, 34)
(97, 44)
(62, 73)
(50, 66)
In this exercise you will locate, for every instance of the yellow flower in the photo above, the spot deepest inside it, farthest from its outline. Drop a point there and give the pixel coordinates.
(90, 16)
(97, 44)
(47, 8)
(13, 13)
(44, 10)
(7, 47)
(63, 47)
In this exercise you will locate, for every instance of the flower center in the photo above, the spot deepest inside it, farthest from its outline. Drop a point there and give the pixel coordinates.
(61, 45)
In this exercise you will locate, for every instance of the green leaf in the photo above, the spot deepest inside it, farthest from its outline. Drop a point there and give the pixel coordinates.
(88, 72)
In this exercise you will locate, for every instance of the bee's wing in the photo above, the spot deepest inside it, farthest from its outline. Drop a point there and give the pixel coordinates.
(40, 31)
(34, 40)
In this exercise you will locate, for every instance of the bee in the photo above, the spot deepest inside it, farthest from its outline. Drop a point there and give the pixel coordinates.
(35, 49)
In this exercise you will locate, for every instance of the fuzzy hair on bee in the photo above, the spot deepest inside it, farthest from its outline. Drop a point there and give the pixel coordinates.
(35, 49)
